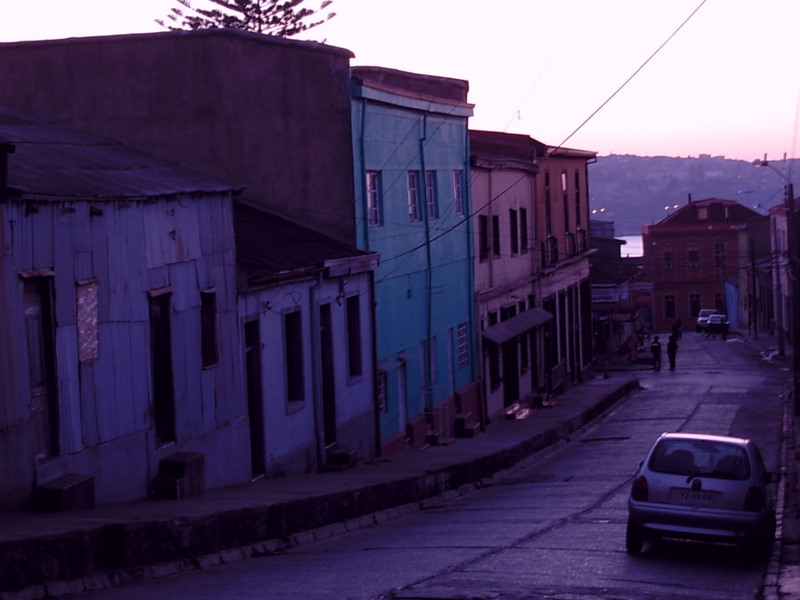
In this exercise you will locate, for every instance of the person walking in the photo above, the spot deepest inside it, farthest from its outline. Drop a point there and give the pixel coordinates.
(672, 351)
(655, 350)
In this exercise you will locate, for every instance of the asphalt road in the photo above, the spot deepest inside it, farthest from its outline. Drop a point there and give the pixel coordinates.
(553, 527)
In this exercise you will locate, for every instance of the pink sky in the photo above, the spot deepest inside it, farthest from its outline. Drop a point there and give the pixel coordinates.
(727, 84)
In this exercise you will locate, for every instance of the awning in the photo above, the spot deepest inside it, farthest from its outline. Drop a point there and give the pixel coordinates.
(516, 326)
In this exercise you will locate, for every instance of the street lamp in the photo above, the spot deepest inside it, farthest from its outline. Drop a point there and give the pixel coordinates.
(792, 257)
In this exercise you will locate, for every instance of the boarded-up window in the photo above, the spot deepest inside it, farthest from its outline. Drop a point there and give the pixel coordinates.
(88, 337)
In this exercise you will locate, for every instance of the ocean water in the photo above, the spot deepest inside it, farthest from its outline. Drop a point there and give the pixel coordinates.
(632, 247)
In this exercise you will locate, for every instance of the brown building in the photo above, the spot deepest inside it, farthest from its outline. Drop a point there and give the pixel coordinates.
(690, 255)
(270, 113)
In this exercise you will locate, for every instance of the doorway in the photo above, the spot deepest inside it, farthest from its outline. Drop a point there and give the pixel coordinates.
(40, 331)
(161, 357)
(255, 400)
(328, 378)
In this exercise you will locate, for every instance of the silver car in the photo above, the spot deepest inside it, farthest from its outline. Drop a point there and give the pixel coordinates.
(705, 487)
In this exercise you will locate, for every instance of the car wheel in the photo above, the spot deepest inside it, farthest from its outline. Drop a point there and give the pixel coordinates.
(634, 538)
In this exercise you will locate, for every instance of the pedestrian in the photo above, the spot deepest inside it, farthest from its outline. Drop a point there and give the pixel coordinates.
(655, 350)
(677, 326)
(672, 351)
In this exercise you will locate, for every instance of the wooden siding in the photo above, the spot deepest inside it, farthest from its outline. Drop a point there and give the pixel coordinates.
(128, 248)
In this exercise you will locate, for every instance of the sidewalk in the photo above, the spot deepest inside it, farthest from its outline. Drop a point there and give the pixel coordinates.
(53, 554)
(782, 579)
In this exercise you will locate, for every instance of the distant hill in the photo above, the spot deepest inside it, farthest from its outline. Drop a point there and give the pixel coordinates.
(634, 190)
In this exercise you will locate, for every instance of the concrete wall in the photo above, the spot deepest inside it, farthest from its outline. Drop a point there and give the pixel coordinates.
(269, 113)
(293, 434)
(424, 291)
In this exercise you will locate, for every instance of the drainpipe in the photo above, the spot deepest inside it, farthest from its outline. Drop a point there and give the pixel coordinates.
(316, 370)
(475, 344)
(428, 270)
(372, 299)
(361, 183)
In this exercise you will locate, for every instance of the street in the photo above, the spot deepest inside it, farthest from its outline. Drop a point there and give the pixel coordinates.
(553, 527)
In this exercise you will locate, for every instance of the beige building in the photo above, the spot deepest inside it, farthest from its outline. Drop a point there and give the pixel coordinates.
(531, 267)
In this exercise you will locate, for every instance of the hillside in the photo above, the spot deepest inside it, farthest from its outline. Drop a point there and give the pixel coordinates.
(634, 190)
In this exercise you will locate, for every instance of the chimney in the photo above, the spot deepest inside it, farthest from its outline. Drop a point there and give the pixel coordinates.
(5, 149)
(690, 197)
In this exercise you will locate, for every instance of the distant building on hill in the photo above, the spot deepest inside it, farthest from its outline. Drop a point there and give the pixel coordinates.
(690, 256)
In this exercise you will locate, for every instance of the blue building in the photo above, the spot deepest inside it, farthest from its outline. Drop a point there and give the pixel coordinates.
(411, 146)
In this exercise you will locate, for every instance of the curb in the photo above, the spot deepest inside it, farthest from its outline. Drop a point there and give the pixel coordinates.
(286, 524)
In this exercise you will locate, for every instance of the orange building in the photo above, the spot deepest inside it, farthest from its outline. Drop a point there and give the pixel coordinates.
(689, 256)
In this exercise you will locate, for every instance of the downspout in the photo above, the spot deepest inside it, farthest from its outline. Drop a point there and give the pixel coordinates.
(374, 344)
(317, 371)
(360, 183)
(372, 302)
(476, 355)
(428, 270)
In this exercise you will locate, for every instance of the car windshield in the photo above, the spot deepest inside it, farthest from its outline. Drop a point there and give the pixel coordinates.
(701, 457)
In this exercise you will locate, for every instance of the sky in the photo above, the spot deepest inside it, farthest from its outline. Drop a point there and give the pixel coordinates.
(726, 84)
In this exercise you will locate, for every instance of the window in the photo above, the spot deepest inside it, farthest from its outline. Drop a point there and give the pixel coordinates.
(463, 346)
(413, 196)
(431, 200)
(552, 250)
(669, 306)
(565, 200)
(730, 214)
(88, 336)
(572, 245)
(383, 404)
(354, 361)
(702, 213)
(373, 199)
(483, 237)
(293, 351)
(548, 216)
(208, 328)
(513, 230)
(494, 357)
(669, 259)
(458, 192)
(523, 230)
(694, 305)
(577, 199)
(719, 255)
(693, 255)
(496, 235)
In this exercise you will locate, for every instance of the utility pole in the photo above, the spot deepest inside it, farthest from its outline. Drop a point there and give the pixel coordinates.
(753, 287)
(794, 296)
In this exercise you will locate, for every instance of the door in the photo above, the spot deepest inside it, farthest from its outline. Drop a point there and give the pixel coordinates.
(510, 372)
(40, 331)
(161, 356)
(255, 400)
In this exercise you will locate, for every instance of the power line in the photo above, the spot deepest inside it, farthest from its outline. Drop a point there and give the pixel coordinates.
(629, 79)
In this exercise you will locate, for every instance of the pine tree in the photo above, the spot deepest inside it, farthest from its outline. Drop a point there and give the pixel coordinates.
(283, 18)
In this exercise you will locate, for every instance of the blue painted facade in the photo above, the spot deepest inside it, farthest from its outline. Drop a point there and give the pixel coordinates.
(411, 149)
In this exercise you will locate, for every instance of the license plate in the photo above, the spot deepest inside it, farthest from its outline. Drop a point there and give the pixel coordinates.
(692, 497)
